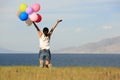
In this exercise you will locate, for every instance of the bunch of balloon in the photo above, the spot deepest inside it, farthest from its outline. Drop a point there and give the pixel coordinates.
(28, 13)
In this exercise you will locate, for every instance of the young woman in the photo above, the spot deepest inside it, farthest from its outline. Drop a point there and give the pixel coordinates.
(44, 53)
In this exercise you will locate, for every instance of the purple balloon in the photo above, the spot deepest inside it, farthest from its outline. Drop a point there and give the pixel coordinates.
(29, 10)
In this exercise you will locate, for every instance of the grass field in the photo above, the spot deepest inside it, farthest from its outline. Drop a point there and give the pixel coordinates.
(58, 73)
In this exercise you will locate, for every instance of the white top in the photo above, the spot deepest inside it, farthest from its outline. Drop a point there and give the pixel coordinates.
(44, 42)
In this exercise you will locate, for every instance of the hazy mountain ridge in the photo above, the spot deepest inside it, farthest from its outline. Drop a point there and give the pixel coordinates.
(110, 45)
(3, 50)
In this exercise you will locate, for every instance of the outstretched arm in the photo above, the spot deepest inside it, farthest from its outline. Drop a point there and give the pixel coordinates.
(53, 28)
(38, 30)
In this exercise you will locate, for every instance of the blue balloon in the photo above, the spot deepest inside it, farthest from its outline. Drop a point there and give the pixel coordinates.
(23, 16)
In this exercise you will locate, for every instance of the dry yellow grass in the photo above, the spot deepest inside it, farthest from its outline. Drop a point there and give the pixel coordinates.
(60, 73)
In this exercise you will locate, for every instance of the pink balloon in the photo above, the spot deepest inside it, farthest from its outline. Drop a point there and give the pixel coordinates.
(29, 10)
(36, 7)
(33, 17)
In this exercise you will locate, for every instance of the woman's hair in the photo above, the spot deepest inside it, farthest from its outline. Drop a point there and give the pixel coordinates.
(45, 30)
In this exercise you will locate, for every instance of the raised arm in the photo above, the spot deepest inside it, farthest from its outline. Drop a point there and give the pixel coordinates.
(53, 28)
(38, 30)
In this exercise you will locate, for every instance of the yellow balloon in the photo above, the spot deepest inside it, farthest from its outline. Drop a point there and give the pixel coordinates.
(23, 7)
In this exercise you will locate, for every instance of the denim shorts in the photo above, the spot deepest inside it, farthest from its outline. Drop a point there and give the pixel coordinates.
(45, 54)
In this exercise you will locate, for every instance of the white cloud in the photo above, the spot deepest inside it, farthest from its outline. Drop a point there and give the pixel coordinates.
(116, 15)
(107, 27)
(78, 29)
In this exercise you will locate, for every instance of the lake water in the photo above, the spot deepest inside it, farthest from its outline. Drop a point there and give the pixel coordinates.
(62, 60)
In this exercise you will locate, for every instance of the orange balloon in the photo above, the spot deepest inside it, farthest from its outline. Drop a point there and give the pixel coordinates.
(18, 13)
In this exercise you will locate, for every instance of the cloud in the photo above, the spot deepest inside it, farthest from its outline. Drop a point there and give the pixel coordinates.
(107, 27)
(78, 29)
(116, 15)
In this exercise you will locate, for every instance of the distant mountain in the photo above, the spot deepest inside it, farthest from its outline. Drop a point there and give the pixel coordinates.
(110, 45)
(3, 50)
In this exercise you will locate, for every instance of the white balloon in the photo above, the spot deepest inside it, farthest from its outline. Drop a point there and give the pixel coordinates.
(28, 22)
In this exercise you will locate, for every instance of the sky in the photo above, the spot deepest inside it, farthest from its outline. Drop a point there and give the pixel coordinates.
(84, 21)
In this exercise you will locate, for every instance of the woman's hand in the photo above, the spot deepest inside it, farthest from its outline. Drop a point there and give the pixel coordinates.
(59, 20)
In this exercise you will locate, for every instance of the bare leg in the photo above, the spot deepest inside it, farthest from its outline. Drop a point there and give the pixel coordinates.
(41, 63)
(48, 65)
